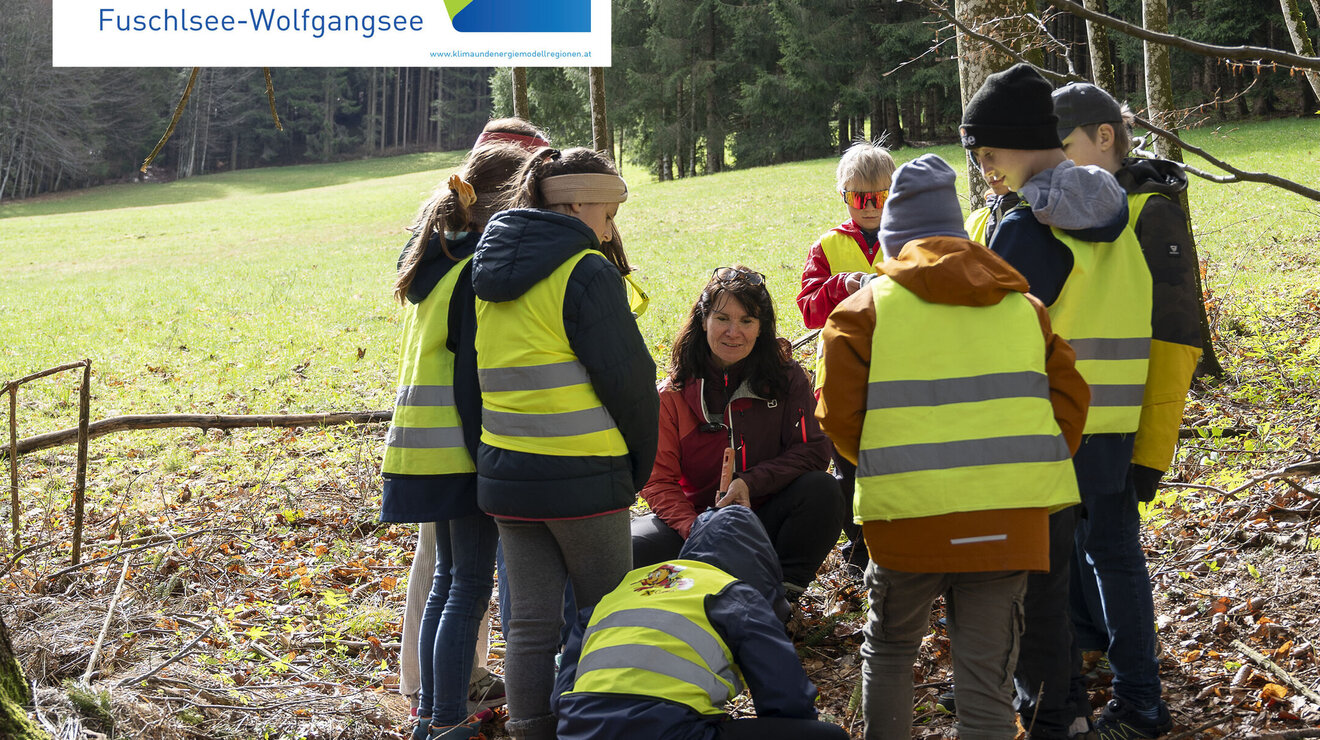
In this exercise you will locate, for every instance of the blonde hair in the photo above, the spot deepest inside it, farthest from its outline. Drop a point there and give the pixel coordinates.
(865, 162)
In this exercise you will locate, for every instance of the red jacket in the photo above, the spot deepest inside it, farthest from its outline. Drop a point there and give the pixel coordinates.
(774, 443)
(822, 284)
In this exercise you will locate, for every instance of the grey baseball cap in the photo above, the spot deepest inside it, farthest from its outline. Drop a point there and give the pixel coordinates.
(1081, 103)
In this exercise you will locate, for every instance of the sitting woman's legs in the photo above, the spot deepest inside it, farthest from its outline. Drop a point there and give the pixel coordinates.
(804, 521)
(653, 541)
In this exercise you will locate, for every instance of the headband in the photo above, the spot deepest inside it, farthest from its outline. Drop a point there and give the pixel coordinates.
(584, 188)
(530, 143)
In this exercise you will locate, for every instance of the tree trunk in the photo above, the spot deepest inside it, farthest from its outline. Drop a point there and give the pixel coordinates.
(14, 693)
(1097, 40)
(1159, 98)
(521, 108)
(1301, 39)
(600, 132)
(977, 61)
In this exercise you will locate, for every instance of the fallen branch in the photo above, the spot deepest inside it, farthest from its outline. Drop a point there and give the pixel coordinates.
(1184, 735)
(199, 421)
(109, 615)
(1286, 735)
(164, 538)
(174, 658)
(1278, 672)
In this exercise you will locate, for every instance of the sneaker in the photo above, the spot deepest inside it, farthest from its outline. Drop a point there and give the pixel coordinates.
(468, 731)
(945, 704)
(1096, 669)
(1120, 722)
(485, 691)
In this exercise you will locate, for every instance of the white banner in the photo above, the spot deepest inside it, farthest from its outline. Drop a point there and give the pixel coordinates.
(332, 33)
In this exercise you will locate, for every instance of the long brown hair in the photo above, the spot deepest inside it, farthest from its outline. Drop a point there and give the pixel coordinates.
(491, 170)
(550, 162)
(765, 365)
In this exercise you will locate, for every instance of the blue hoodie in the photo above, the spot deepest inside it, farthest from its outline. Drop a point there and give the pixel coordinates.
(733, 540)
(519, 249)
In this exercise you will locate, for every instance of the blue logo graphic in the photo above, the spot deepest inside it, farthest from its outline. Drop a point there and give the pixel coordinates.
(520, 16)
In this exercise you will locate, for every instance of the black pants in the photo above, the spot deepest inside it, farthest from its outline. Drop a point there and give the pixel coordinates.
(855, 552)
(1047, 676)
(803, 522)
(779, 728)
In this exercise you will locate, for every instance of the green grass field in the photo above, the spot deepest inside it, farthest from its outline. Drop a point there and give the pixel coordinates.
(204, 294)
(268, 291)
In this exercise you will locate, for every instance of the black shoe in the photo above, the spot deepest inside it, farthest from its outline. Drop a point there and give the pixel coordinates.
(945, 704)
(1120, 722)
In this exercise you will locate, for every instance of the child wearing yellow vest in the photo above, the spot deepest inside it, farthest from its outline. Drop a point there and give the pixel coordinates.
(945, 384)
(839, 264)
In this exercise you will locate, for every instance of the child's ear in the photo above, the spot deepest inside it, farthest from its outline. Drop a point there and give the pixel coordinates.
(1105, 137)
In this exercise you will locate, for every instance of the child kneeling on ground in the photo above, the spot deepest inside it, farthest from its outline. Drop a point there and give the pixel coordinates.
(660, 655)
(961, 408)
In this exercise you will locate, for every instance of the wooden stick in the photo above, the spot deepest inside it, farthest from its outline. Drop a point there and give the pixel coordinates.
(80, 485)
(270, 95)
(200, 421)
(42, 374)
(172, 659)
(1274, 668)
(164, 539)
(13, 461)
(109, 614)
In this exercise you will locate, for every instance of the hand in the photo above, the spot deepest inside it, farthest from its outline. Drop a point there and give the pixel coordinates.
(737, 494)
(853, 282)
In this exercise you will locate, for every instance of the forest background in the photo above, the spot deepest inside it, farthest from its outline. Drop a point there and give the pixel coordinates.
(697, 86)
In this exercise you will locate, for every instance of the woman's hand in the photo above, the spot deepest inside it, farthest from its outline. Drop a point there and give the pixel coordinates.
(737, 494)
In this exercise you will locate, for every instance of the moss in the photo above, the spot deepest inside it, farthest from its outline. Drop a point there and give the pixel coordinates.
(14, 722)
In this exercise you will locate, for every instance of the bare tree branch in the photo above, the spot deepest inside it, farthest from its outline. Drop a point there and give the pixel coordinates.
(1247, 54)
(1235, 174)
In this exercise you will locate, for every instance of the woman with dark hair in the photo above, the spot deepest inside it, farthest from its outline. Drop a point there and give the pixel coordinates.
(733, 386)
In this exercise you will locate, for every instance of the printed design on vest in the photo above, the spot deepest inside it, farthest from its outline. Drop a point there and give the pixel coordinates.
(663, 577)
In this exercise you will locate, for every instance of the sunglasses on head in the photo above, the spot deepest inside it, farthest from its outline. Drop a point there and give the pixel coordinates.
(727, 275)
(864, 198)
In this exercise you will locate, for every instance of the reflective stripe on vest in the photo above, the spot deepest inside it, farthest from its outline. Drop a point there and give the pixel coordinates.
(958, 413)
(536, 396)
(425, 436)
(1104, 313)
(651, 637)
(844, 255)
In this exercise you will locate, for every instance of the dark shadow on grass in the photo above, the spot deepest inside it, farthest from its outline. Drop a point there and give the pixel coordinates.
(261, 181)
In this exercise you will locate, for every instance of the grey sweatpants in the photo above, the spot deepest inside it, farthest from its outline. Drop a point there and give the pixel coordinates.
(595, 553)
(984, 613)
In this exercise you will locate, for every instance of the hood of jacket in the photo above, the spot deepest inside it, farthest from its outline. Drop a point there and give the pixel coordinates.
(434, 265)
(952, 270)
(521, 247)
(1086, 201)
(1151, 176)
(734, 540)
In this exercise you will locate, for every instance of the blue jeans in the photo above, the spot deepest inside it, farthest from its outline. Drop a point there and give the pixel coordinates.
(1108, 549)
(464, 560)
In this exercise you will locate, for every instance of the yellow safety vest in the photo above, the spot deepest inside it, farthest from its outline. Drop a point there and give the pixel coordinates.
(536, 396)
(958, 414)
(650, 637)
(1172, 365)
(426, 437)
(1104, 313)
(844, 255)
(977, 223)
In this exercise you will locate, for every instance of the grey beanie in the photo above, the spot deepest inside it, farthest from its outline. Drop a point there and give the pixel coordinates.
(922, 202)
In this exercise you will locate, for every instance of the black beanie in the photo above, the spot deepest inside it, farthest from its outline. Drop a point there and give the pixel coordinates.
(1012, 110)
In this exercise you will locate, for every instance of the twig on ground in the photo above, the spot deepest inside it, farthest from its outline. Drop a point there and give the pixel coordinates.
(1185, 734)
(109, 616)
(1278, 671)
(174, 658)
(162, 539)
